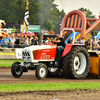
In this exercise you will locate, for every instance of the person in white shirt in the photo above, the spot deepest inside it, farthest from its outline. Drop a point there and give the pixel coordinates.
(12, 40)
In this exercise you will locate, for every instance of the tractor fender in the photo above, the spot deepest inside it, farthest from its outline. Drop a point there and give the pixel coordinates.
(68, 48)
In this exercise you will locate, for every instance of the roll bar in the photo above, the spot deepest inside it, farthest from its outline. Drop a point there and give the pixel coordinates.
(67, 30)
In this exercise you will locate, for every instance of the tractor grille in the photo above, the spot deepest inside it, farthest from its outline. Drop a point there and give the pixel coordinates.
(25, 54)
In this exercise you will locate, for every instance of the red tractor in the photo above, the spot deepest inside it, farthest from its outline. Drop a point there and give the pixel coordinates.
(75, 60)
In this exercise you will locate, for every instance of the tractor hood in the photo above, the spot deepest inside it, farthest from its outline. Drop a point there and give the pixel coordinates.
(38, 53)
(36, 47)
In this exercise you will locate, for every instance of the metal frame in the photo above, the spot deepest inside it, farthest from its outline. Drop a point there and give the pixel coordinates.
(67, 30)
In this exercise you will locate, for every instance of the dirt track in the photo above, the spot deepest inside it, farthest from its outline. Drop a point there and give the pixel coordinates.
(29, 77)
(53, 95)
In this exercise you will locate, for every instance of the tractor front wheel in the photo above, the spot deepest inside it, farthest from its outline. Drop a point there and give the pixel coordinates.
(41, 71)
(16, 69)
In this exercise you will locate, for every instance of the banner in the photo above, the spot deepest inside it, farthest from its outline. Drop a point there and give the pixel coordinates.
(26, 22)
(18, 53)
(31, 28)
(7, 54)
(11, 53)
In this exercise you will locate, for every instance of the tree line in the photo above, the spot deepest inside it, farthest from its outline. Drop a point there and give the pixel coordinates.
(41, 12)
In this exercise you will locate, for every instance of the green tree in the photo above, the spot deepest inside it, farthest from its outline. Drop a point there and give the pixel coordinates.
(49, 16)
(34, 7)
(48, 25)
(57, 23)
(6, 11)
(13, 10)
(89, 13)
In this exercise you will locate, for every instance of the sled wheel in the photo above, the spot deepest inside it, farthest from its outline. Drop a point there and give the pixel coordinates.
(53, 71)
(41, 71)
(77, 63)
(16, 69)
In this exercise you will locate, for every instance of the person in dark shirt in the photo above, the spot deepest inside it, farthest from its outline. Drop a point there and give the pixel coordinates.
(98, 44)
(60, 44)
(17, 42)
(87, 44)
(1, 42)
(69, 40)
(34, 41)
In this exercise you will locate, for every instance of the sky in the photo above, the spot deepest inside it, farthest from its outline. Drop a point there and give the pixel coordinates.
(69, 5)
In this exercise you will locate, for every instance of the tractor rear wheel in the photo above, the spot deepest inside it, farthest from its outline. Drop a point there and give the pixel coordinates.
(16, 69)
(41, 71)
(77, 63)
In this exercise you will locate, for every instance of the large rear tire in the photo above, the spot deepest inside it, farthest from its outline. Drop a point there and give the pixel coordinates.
(16, 69)
(53, 71)
(77, 63)
(41, 71)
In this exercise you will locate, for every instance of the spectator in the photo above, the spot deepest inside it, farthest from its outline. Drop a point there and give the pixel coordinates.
(78, 41)
(26, 41)
(12, 40)
(29, 42)
(97, 40)
(47, 40)
(22, 41)
(17, 42)
(52, 40)
(9, 36)
(1, 42)
(98, 44)
(31, 37)
(6, 41)
(41, 39)
(88, 44)
(94, 44)
(69, 41)
(18, 35)
(34, 41)
(82, 41)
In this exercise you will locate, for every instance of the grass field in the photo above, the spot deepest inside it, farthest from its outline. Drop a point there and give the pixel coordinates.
(7, 63)
(48, 86)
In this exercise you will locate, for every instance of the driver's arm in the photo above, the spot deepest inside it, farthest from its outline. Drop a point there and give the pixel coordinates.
(57, 41)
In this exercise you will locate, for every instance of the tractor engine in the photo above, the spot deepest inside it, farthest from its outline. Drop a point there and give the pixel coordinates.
(37, 53)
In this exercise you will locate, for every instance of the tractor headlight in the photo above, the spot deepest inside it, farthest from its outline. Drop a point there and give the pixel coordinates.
(24, 58)
(29, 59)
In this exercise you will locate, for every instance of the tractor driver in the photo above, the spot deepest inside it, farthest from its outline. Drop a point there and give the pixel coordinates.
(60, 44)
